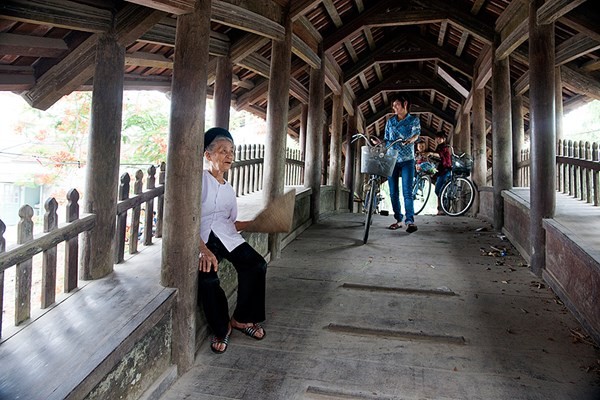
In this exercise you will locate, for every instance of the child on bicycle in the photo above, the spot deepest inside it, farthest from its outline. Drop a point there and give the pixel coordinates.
(444, 154)
(422, 163)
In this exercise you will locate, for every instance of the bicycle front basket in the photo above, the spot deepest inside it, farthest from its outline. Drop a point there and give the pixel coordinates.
(462, 164)
(375, 161)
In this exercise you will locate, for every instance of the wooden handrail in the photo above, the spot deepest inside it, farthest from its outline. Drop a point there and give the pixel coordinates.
(46, 241)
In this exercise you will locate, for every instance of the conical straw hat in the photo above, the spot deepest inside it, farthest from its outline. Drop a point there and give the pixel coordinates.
(277, 216)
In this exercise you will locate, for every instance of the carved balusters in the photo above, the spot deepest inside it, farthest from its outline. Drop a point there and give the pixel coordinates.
(49, 256)
(23, 270)
(261, 166)
(134, 229)
(589, 176)
(570, 153)
(596, 175)
(71, 245)
(122, 220)
(149, 222)
(161, 201)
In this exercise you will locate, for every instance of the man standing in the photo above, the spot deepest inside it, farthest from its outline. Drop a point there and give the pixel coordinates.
(407, 127)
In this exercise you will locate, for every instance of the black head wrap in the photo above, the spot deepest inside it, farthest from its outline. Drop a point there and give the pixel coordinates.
(213, 133)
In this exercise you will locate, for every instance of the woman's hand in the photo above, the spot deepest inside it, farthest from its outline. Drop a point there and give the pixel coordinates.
(207, 260)
(242, 225)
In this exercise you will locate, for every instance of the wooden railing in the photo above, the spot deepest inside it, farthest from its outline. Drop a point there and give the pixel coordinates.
(152, 222)
(577, 170)
(246, 177)
(246, 174)
(21, 257)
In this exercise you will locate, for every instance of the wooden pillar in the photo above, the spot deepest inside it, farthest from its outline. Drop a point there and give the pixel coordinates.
(335, 157)
(183, 184)
(350, 157)
(102, 181)
(479, 139)
(222, 91)
(543, 132)
(501, 135)
(455, 140)
(518, 132)
(560, 135)
(312, 171)
(302, 138)
(325, 151)
(277, 116)
(465, 133)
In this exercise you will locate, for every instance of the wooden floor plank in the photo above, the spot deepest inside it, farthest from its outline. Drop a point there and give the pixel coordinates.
(518, 336)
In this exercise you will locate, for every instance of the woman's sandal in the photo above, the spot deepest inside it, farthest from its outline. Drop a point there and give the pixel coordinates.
(395, 225)
(412, 228)
(252, 330)
(215, 341)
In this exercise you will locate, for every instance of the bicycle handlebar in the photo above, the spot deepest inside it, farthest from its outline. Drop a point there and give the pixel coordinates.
(360, 135)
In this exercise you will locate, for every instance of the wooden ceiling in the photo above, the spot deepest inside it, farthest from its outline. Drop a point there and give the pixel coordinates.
(430, 48)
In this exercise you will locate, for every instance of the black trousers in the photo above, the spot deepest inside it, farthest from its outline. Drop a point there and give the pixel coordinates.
(251, 270)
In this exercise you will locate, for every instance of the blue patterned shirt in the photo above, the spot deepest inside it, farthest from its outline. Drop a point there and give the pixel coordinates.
(408, 127)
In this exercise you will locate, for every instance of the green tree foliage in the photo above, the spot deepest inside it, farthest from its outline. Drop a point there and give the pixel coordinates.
(145, 130)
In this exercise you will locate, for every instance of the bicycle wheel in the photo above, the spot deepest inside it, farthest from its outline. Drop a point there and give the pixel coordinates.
(421, 192)
(370, 206)
(457, 196)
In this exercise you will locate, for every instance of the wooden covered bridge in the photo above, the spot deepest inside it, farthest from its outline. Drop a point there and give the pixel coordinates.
(493, 74)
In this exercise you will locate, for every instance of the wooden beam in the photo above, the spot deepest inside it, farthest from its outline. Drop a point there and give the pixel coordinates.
(511, 12)
(177, 7)
(148, 60)
(333, 13)
(305, 52)
(592, 65)
(442, 34)
(466, 21)
(350, 28)
(515, 33)
(31, 46)
(14, 78)
(419, 49)
(298, 91)
(163, 34)
(307, 32)
(580, 82)
(246, 20)
(64, 14)
(575, 47)
(409, 80)
(256, 63)
(332, 74)
(583, 20)
(299, 8)
(554, 9)
(78, 66)
(452, 82)
(461, 44)
(477, 6)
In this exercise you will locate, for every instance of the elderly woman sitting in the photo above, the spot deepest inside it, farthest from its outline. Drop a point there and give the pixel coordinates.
(221, 239)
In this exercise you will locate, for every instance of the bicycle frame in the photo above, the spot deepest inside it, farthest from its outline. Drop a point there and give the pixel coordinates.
(373, 185)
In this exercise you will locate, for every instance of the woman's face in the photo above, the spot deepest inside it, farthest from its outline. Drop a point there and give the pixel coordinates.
(221, 156)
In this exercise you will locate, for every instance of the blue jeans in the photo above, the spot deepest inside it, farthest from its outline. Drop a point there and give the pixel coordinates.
(251, 270)
(440, 182)
(406, 169)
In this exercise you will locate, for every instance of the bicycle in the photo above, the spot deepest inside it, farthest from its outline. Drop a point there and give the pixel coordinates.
(421, 191)
(378, 161)
(458, 194)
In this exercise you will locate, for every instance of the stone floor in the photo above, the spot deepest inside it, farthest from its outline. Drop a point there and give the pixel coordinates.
(438, 314)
